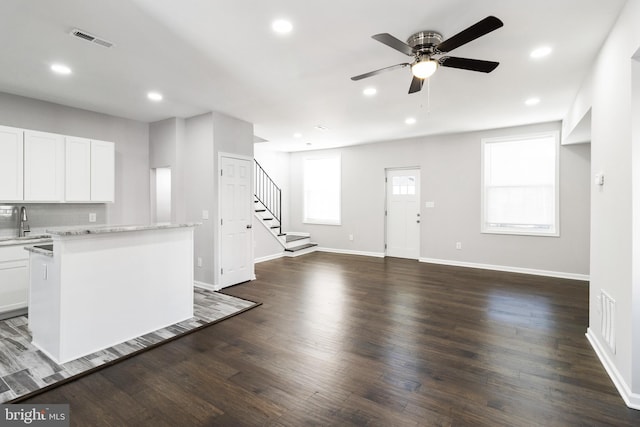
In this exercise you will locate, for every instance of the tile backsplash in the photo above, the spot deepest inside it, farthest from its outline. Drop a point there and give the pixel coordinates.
(46, 215)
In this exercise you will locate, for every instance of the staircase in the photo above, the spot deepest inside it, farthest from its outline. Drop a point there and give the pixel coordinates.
(268, 210)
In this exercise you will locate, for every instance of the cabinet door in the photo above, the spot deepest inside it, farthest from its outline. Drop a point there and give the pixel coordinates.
(43, 167)
(14, 278)
(102, 171)
(11, 161)
(77, 169)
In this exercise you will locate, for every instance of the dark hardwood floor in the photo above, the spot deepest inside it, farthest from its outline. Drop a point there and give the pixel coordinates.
(351, 340)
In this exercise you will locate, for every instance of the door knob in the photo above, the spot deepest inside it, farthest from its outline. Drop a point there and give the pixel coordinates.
(249, 226)
(418, 221)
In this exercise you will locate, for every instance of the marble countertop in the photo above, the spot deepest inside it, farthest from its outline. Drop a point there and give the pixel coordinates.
(27, 240)
(101, 229)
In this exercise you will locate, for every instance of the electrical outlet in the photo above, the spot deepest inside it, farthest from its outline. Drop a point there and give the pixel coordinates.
(351, 237)
(92, 217)
(199, 262)
(205, 214)
(458, 245)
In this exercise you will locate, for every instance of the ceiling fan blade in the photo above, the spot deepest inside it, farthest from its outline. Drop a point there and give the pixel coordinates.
(416, 85)
(393, 42)
(381, 70)
(479, 29)
(468, 64)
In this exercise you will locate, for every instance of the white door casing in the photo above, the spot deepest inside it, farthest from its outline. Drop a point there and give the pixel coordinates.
(235, 200)
(403, 213)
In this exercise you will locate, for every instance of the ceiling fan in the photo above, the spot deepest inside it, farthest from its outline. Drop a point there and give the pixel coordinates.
(425, 45)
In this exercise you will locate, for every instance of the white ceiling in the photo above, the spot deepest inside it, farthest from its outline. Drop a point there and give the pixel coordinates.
(222, 56)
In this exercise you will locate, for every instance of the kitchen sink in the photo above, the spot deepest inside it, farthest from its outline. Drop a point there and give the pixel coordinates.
(45, 247)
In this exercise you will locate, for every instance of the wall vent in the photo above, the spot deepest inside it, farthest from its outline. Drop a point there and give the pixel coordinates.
(90, 38)
(608, 326)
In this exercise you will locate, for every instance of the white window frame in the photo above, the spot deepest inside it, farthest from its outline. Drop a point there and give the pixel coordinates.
(484, 228)
(321, 221)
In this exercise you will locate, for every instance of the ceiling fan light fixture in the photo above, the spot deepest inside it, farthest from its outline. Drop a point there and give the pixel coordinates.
(425, 68)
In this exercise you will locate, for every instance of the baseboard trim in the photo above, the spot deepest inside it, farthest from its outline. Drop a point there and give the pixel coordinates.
(205, 285)
(547, 273)
(632, 400)
(268, 257)
(350, 252)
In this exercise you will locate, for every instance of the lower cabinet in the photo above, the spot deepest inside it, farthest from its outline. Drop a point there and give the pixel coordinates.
(14, 281)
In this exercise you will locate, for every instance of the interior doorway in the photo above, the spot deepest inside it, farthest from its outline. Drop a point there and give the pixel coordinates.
(161, 195)
(403, 213)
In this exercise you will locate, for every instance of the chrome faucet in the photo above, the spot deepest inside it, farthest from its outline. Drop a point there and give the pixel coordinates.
(24, 227)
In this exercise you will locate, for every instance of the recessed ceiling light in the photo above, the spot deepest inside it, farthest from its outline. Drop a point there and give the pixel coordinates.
(410, 121)
(297, 135)
(308, 143)
(154, 96)
(370, 91)
(60, 69)
(540, 52)
(532, 101)
(282, 26)
(321, 128)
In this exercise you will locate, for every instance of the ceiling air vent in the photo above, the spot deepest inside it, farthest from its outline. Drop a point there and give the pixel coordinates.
(90, 38)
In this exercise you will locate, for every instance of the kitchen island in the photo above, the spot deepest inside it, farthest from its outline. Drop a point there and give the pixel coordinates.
(100, 286)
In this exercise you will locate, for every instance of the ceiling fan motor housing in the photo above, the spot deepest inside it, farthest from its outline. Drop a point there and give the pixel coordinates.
(425, 42)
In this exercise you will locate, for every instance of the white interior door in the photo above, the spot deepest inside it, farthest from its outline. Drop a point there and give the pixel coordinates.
(403, 213)
(236, 264)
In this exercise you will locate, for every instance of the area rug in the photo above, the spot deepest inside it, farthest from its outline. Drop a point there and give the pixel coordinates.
(26, 371)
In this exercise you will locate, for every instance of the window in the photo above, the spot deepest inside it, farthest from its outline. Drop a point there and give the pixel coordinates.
(321, 180)
(520, 185)
(403, 185)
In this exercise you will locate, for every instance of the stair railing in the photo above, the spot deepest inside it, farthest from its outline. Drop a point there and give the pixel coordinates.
(268, 193)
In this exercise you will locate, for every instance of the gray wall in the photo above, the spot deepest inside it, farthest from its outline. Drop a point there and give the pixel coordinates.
(450, 176)
(131, 140)
(198, 190)
(615, 226)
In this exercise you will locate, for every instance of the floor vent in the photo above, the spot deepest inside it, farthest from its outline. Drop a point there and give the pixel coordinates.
(608, 326)
(90, 38)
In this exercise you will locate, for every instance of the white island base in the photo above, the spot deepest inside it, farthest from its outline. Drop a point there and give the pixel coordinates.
(103, 286)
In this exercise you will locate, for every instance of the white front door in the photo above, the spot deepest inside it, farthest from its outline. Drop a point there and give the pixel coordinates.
(236, 264)
(403, 213)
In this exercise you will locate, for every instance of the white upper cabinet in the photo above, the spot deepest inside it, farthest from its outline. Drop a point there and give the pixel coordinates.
(102, 171)
(47, 167)
(11, 163)
(77, 169)
(43, 167)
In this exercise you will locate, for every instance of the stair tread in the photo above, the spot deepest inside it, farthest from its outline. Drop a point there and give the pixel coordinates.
(301, 247)
(293, 238)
